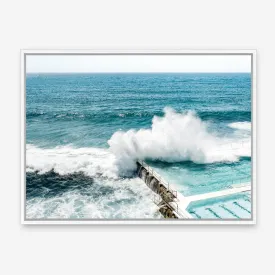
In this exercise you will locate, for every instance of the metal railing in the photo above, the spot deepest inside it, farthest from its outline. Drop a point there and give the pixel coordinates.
(158, 177)
(158, 199)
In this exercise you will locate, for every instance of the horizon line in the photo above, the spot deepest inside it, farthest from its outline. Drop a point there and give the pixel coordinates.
(138, 72)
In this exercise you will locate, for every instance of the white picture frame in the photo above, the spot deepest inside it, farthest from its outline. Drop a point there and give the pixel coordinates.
(24, 53)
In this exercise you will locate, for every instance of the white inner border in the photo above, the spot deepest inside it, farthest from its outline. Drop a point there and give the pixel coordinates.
(141, 51)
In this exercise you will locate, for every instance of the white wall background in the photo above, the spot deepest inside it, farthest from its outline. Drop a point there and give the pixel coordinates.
(211, 24)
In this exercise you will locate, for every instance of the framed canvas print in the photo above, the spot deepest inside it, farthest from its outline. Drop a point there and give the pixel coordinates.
(138, 136)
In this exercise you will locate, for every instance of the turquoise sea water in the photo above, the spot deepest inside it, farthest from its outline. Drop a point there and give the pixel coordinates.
(85, 131)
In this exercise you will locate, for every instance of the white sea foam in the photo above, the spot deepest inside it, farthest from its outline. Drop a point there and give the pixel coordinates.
(66, 160)
(241, 125)
(175, 137)
(130, 198)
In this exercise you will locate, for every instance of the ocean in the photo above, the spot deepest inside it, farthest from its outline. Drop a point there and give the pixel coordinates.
(84, 133)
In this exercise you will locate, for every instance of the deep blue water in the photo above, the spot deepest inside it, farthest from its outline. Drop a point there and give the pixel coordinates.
(85, 110)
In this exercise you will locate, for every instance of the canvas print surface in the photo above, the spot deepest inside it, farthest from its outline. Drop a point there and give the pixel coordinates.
(138, 137)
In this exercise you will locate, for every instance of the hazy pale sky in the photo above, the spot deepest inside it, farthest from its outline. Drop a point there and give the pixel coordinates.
(137, 63)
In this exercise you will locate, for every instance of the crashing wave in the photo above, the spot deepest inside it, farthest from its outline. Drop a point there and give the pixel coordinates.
(175, 137)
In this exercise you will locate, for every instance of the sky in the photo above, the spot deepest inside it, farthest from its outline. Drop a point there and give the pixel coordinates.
(137, 63)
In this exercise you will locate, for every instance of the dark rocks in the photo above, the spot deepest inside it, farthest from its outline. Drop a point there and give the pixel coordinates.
(167, 212)
(166, 195)
(154, 184)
